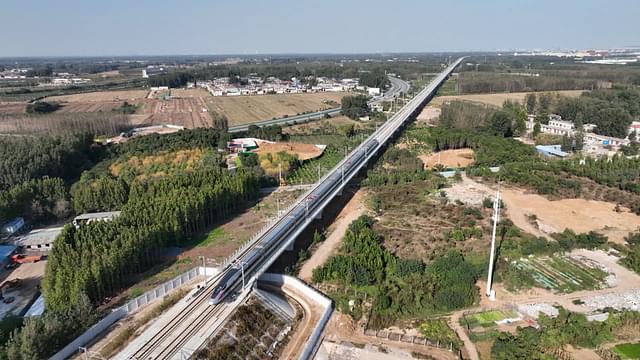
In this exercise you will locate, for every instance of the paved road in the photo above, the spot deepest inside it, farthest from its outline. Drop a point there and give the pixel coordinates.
(397, 86)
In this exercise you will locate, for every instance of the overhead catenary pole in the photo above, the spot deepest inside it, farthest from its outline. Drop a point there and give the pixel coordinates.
(496, 215)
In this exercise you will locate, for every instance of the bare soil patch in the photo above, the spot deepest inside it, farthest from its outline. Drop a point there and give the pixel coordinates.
(457, 158)
(579, 215)
(12, 107)
(499, 98)
(429, 115)
(29, 276)
(304, 151)
(248, 109)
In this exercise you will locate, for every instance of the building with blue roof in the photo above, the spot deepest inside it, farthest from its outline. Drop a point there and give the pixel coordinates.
(552, 151)
(5, 254)
(12, 226)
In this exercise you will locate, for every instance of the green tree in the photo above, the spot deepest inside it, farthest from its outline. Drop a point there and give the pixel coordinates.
(500, 124)
(354, 106)
(536, 129)
(566, 143)
(530, 102)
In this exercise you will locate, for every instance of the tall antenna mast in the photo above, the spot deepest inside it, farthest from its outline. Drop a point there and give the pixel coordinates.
(496, 216)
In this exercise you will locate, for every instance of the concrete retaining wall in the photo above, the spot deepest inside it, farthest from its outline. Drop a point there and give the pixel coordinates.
(316, 337)
(162, 290)
(147, 298)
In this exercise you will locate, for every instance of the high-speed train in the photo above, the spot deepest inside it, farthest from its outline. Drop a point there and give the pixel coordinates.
(288, 222)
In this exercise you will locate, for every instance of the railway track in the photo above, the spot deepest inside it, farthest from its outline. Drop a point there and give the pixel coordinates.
(260, 253)
(145, 351)
(179, 341)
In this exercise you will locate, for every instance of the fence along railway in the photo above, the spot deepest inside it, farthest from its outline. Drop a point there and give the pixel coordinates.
(204, 313)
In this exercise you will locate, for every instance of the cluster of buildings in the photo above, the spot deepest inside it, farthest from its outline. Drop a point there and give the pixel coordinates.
(593, 143)
(14, 233)
(14, 74)
(153, 70)
(59, 81)
(255, 85)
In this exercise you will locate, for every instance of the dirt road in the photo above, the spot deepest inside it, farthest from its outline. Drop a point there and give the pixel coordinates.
(469, 346)
(353, 209)
(311, 316)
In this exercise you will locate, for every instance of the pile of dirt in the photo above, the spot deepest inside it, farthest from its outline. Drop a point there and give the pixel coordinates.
(457, 158)
(304, 151)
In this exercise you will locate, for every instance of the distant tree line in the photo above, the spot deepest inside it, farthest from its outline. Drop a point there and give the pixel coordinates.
(507, 121)
(23, 158)
(375, 78)
(482, 82)
(37, 200)
(611, 110)
(270, 132)
(370, 74)
(96, 124)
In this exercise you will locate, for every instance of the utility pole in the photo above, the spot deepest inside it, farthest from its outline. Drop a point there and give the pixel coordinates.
(496, 214)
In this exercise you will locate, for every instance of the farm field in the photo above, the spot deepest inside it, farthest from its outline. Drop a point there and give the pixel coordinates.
(496, 99)
(248, 109)
(12, 107)
(487, 318)
(77, 107)
(98, 96)
(187, 112)
(307, 173)
(627, 351)
(562, 274)
(190, 93)
(457, 158)
(310, 127)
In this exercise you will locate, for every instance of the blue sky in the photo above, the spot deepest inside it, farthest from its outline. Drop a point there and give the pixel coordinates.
(159, 27)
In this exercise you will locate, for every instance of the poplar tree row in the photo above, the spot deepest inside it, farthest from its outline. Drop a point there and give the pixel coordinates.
(100, 258)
